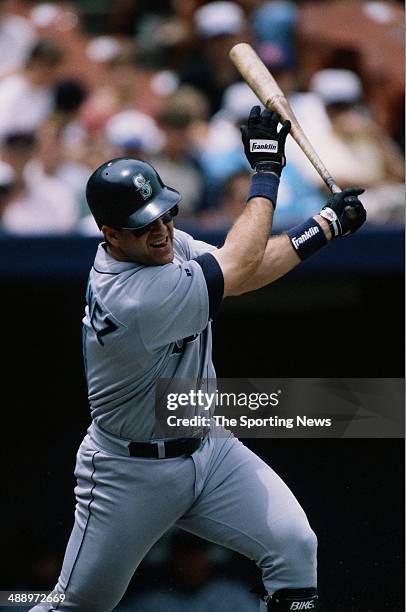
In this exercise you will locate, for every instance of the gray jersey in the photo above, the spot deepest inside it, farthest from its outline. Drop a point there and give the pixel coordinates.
(145, 323)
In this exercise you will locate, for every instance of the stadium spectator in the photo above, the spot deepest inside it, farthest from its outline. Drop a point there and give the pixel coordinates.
(26, 98)
(69, 95)
(57, 153)
(128, 85)
(356, 149)
(275, 22)
(53, 160)
(40, 204)
(231, 202)
(219, 26)
(113, 93)
(221, 153)
(7, 185)
(177, 163)
(133, 134)
(16, 39)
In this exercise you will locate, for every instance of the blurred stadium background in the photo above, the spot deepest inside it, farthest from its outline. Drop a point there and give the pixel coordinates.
(85, 81)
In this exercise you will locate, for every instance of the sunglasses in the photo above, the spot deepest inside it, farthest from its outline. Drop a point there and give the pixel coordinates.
(165, 218)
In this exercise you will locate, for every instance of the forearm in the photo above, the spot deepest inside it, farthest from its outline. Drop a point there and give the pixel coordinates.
(249, 235)
(245, 245)
(279, 258)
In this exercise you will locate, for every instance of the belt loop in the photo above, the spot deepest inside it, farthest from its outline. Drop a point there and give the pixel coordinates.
(161, 448)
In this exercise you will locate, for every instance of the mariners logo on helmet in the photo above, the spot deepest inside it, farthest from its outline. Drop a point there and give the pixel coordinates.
(143, 186)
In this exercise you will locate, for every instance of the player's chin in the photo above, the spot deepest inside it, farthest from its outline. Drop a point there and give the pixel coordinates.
(161, 256)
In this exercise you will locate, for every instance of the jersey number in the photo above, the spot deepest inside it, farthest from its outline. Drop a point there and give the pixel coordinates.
(97, 319)
(102, 325)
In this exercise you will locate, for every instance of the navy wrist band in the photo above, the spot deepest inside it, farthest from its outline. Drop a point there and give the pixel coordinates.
(264, 185)
(307, 238)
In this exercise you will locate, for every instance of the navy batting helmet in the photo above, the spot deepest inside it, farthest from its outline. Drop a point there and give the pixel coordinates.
(127, 193)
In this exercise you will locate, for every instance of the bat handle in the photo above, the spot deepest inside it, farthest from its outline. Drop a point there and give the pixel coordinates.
(332, 185)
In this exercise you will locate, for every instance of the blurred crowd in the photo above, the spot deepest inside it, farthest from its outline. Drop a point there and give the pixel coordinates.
(79, 86)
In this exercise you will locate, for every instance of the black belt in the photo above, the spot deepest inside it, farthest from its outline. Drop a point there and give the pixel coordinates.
(158, 449)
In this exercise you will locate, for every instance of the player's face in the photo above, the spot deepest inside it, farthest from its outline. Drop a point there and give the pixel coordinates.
(153, 248)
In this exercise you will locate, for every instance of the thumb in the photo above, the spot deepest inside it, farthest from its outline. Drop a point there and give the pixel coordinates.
(285, 129)
(356, 191)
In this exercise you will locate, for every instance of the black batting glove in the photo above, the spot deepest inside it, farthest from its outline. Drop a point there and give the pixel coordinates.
(264, 146)
(344, 212)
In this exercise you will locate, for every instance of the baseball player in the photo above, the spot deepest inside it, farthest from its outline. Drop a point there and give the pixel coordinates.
(152, 293)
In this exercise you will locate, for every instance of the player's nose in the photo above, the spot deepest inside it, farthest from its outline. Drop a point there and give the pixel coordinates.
(157, 225)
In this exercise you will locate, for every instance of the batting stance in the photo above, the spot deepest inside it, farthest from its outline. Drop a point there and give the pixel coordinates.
(152, 293)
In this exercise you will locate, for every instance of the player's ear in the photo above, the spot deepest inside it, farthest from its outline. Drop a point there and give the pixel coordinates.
(111, 235)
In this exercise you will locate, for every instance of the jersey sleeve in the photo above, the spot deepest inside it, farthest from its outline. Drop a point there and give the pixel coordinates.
(190, 247)
(214, 281)
(198, 247)
(175, 304)
(200, 251)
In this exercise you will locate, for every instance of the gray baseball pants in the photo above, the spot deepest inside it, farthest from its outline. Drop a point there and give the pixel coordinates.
(223, 493)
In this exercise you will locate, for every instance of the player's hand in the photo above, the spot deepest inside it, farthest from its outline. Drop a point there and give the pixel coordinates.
(264, 146)
(344, 212)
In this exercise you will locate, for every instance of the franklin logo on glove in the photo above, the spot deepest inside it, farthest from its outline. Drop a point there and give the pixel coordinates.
(264, 142)
(263, 145)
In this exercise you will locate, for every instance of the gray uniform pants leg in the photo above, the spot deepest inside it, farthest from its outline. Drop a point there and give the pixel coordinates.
(244, 505)
(124, 505)
(223, 493)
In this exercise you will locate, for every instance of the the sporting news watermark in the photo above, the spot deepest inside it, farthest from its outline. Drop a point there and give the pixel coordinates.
(205, 402)
(364, 408)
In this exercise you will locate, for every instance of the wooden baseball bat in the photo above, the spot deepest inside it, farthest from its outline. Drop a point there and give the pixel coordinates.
(267, 90)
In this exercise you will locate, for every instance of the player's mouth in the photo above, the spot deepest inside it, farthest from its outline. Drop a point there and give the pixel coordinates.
(160, 243)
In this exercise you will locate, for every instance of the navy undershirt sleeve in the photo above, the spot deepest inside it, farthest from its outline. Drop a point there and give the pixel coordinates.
(214, 280)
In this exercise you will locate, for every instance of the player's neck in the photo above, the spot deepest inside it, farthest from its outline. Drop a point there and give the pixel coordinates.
(116, 253)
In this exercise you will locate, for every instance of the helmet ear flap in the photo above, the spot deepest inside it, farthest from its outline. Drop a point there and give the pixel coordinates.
(175, 210)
